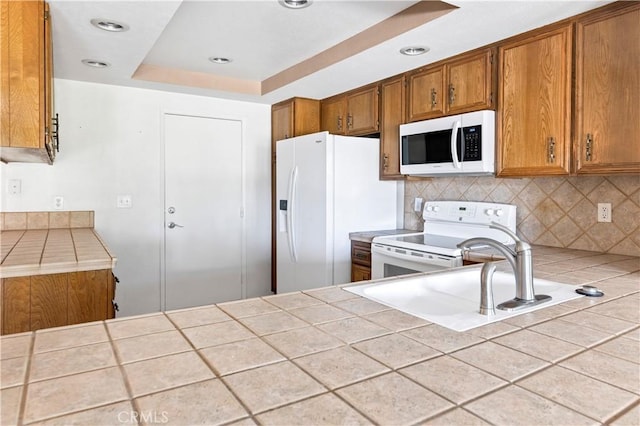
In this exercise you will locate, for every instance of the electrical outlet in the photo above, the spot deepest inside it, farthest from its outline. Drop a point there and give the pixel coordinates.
(58, 202)
(15, 186)
(604, 212)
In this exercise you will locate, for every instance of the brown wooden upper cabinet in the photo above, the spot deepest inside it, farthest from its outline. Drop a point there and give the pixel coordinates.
(27, 130)
(461, 84)
(534, 126)
(607, 127)
(353, 113)
(392, 114)
(294, 117)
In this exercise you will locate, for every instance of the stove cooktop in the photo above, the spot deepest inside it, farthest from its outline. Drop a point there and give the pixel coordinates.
(448, 223)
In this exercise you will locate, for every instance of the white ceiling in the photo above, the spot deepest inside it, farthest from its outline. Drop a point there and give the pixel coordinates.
(262, 38)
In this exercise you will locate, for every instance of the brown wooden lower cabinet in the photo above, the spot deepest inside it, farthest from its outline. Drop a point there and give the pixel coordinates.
(42, 301)
(360, 261)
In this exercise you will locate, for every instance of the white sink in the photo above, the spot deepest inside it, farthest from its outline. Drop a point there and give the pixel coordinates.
(452, 298)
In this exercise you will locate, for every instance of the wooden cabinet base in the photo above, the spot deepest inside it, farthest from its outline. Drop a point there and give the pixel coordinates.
(43, 301)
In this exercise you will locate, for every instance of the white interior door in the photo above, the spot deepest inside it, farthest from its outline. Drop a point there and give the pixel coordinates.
(203, 251)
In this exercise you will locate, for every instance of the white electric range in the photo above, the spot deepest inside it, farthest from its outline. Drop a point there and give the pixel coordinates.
(447, 223)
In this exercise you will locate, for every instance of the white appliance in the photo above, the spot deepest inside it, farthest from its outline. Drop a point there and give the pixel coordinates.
(326, 187)
(447, 223)
(461, 144)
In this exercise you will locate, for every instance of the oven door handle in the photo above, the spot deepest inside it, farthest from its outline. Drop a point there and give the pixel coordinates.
(435, 259)
(454, 144)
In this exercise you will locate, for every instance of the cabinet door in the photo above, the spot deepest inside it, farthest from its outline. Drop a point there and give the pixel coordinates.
(362, 111)
(48, 301)
(535, 105)
(306, 116)
(469, 83)
(360, 273)
(282, 121)
(333, 115)
(16, 305)
(608, 92)
(426, 94)
(24, 112)
(392, 98)
(88, 295)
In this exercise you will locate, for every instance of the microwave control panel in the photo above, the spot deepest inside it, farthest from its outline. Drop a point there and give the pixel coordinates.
(472, 143)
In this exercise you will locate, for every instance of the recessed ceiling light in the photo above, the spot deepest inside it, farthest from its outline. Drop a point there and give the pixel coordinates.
(295, 4)
(95, 64)
(414, 50)
(107, 25)
(219, 60)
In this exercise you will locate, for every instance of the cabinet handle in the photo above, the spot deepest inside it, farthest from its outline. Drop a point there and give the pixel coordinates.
(349, 121)
(452, 94)
(589, 146)
(434, 98)
(385, 161)
(54, 134)
(551, 149)
(339, 122)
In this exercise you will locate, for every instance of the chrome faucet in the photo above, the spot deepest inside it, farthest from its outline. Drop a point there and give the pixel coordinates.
(520, 261)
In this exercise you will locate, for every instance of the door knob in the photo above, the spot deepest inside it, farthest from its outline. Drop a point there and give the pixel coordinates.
(171, 210)
(172, 225)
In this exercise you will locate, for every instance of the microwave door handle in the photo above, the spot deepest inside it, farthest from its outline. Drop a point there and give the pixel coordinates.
(454, 144)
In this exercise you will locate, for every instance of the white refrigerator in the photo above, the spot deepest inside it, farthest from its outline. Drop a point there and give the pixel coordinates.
(326, 187)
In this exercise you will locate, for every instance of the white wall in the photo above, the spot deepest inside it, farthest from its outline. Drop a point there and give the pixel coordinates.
(110, 140)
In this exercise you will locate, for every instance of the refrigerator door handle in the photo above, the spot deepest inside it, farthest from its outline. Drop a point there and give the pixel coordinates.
(291, 214)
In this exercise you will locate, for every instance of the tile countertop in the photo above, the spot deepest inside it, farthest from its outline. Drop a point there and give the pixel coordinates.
(52, 251)
(368, 236)
(327, 356)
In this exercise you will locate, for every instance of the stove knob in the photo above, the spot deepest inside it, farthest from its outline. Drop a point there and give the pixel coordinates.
(429, 208)
(436, 208)
(499, 212)
(488, 212)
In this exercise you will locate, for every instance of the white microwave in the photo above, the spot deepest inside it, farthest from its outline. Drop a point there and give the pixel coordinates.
(461, 144)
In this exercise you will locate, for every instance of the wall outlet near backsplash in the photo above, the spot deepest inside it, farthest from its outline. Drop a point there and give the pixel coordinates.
(604, 212)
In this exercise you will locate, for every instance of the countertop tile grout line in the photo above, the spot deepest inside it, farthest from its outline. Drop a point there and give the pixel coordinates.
(215, 372)
(123, 373)
(27, 373)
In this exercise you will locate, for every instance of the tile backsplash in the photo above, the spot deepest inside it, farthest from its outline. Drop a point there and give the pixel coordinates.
(551, 211)
(14, 221)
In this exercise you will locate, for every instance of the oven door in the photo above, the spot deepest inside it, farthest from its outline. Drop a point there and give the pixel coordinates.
(389, 261)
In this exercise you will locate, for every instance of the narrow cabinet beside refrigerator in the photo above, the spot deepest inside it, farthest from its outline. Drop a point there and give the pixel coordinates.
(326, 187)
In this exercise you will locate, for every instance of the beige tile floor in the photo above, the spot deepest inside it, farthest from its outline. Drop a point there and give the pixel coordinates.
(325, 357)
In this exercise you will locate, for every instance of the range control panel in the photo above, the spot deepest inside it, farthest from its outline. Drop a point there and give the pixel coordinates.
(468, 218)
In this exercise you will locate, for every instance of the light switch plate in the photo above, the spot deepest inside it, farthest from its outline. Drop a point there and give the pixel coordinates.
(124, 202)
(417, 204)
